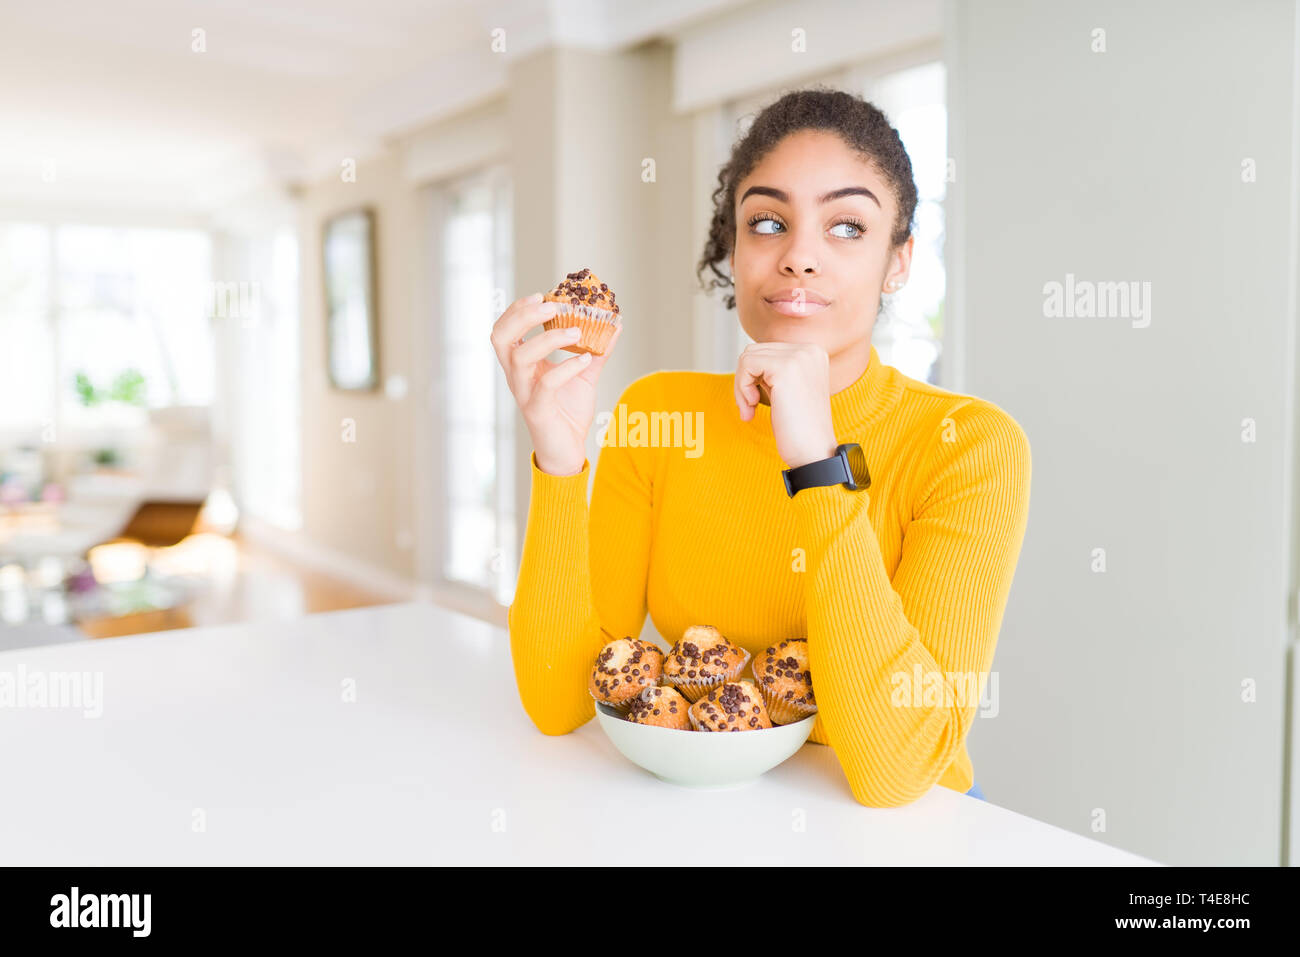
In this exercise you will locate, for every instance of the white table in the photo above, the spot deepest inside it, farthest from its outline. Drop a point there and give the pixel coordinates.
(234, 745)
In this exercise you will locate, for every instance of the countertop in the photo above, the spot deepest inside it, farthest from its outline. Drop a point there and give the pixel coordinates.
(394, 735)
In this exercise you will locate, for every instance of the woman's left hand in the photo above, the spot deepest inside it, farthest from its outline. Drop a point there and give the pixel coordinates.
(796, 376)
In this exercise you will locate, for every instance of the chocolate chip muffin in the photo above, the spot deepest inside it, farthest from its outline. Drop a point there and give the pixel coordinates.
(586, 303)
(623, 668)
(736, 706)
(782, 674)
(662, 707)
(701, 660)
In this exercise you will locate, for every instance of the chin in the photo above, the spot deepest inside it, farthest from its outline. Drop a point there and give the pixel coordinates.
(793, 330)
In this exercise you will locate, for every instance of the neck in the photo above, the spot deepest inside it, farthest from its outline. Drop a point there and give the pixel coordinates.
(848, 365)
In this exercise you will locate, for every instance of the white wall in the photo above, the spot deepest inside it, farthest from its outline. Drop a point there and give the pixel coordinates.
(576, 207)
(358, 492)
(786, 42)
(1122, 690)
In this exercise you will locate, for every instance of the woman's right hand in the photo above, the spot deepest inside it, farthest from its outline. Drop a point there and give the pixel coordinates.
(558, 400)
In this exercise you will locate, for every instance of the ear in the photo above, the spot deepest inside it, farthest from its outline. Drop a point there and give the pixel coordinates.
(905, 255)
(901, 261)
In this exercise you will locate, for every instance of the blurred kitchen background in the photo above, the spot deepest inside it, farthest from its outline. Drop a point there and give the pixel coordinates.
(251, 253)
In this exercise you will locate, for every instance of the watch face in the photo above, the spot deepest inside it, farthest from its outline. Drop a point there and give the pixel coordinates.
(857, 464)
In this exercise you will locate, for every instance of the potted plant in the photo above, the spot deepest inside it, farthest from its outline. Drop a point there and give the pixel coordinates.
(128, 388)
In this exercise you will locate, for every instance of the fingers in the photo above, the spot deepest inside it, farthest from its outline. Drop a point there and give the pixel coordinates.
(749, 369)
(540, 346)
(762, 363)
(597, 362)
(563, 372)
(519, 317)
(736, 394)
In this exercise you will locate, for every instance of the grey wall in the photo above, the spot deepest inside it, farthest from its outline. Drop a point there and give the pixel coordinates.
(1122, 690)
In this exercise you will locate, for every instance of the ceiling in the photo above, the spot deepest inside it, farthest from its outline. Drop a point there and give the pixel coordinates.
(111, 104)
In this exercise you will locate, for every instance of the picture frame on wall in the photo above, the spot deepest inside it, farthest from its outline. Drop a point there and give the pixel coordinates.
(351, 317)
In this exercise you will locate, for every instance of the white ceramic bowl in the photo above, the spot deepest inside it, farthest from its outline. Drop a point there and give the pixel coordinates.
(703, 759)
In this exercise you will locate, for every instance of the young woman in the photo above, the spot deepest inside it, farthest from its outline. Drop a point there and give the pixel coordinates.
(899, 589)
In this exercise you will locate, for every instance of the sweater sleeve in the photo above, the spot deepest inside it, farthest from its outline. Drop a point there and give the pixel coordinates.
(899, 666)
(582, 575)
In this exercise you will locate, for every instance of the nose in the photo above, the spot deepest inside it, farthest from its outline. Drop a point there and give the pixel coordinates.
(800, 257)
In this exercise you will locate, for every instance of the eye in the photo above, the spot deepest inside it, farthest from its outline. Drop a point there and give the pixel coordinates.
(763, 218)
(857, 227)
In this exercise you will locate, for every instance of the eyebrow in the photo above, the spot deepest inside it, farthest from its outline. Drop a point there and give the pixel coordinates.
(784, 197)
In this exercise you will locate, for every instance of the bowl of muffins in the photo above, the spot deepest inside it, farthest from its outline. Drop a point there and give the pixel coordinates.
(693, 717)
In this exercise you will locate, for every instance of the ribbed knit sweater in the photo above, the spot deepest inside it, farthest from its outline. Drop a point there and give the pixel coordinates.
(899, 590)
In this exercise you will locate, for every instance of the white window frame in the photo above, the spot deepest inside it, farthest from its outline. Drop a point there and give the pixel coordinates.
(433, 504)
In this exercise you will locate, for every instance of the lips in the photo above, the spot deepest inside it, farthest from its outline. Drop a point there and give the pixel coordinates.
(797, 301)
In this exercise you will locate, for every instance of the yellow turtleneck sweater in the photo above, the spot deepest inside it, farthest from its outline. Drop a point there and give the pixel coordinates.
(899, 590)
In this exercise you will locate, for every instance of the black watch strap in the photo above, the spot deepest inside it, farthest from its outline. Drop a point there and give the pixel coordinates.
(846, 467)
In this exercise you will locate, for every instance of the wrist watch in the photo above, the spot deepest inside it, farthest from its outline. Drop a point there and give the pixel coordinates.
(847, 467)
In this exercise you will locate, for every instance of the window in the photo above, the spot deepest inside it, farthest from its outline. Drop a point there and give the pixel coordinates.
(909, 334)
(478, 441)
(88, 310)
(266, 406)
(909, 330)
(27, 395)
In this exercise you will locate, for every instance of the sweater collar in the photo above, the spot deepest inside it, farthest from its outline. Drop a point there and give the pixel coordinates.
(855, 409)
